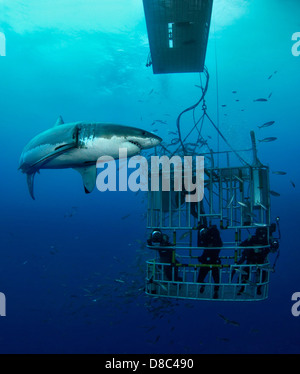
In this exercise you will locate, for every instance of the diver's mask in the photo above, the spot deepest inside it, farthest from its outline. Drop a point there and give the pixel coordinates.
(203, 231)
(156, 236)
(274, 245)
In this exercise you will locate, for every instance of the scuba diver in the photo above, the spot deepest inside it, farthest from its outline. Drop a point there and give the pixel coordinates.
(162, 244)
(258, 255)
(209, 237)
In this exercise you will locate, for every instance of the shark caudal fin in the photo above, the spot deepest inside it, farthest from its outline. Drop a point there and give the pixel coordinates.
(30, 182)
(89, 174)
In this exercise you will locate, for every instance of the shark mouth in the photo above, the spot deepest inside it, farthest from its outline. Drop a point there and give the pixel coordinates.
(135, 143)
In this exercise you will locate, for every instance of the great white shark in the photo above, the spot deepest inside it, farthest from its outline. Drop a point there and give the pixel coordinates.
(78, 145)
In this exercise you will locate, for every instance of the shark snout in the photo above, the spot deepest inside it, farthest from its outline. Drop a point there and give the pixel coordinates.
(147, 140)
(156, 140)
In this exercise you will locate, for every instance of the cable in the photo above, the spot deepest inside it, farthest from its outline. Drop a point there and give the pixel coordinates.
(192, 107)
(225, 140)
(217, 88)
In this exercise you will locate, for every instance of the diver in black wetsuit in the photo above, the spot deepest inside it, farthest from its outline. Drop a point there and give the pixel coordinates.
(254, 255)
(209, 237)
(162, 245)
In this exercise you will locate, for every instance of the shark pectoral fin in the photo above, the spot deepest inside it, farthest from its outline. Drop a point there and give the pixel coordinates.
(57, 152)
(89, 174)
(30, 181)
(59, 121)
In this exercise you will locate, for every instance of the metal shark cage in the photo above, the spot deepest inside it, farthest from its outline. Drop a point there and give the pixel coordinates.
(236, 197)
(237, 200)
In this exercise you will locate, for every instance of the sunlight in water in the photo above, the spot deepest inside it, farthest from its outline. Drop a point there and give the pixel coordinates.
(226, 12)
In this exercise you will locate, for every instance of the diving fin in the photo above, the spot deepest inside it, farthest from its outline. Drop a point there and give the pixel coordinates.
(89, 174)
(30, 181)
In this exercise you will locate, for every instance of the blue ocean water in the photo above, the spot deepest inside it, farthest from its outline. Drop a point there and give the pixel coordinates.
(63, 255)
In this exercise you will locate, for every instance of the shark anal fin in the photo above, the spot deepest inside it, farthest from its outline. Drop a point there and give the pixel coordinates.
(89, 174)
(30, 182)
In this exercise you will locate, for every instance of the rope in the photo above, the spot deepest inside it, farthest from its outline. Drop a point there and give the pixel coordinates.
(191, 108)
(225, 140)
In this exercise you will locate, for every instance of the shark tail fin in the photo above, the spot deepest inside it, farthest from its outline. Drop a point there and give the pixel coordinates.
(30, 182)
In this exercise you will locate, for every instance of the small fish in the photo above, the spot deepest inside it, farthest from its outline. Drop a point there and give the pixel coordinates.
(239, 270)
(279, 172)
(267, 124)
(234, 92)
(267, 140)
(260, 99)
(162, 286)
(243, 204)
(274, 193)
(150, 328)
(270, 95)
(224, 105)
(175, 141)
(270, 76)
(253, 284)
(126, 216)
(293, 184)
(119, 281)
(184, 235)
(150, 92)
(230, 201)
(260, 224)
(228, 321)
(238, 178)
(265, 208)
(223, 339)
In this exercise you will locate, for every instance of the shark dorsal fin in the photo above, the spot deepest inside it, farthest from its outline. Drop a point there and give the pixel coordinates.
(59, 121)
(89, 174)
